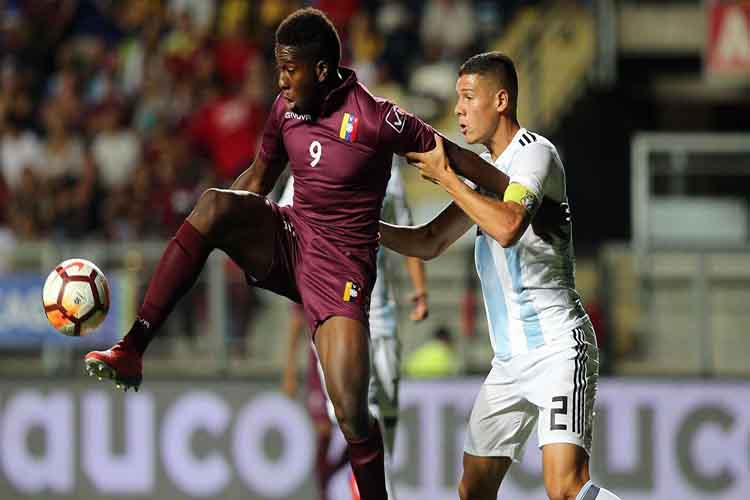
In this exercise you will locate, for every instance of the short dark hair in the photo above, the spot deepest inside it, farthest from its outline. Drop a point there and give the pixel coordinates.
(498, 66)
(311, 31)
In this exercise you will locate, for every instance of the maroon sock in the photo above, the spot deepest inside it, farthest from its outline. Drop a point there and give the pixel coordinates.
(366, 458)
(177, 271)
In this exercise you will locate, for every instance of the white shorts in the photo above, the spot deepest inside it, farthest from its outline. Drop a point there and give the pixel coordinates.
(554, 384)
(385, 374)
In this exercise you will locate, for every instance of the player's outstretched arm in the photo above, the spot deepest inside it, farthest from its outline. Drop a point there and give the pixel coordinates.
(470, 165)
(260, 177)
(428, 240)
(503, 221)
(289, 374)
(415, 268)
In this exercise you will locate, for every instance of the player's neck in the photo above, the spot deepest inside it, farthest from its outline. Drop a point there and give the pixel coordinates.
(503, 136)
(325, 89)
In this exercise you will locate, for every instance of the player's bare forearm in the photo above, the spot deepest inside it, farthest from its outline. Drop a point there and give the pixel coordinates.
(258, 178)
(504, 221)
(420, 309)
(471, 166)
(415, 268)
(411, 241)
(428, 240)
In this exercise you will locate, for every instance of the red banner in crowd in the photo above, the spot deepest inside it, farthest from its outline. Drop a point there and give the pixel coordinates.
(728, 37)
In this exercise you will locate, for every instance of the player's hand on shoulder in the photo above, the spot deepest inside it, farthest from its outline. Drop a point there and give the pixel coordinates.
(433, 165)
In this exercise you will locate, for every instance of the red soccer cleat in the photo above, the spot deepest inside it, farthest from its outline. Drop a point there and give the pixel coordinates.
(353, 486)
(121, 362)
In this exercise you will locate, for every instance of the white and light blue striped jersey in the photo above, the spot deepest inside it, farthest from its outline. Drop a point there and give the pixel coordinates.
(529, 288)
(395, 210)
(382, 301)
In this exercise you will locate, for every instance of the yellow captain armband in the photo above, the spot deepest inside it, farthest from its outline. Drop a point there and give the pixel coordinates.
(518, 193)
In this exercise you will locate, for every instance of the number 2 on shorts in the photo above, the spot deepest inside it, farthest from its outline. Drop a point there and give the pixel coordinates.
(558, 411)
(316, 151)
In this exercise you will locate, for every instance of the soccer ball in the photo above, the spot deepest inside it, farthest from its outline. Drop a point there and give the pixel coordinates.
(76, 297)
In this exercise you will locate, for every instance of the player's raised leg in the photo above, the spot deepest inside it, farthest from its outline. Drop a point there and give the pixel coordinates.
(343, 349)
(482, 477)
(238, 222)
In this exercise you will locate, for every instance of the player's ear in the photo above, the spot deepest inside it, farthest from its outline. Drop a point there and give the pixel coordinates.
(321, 71)
(502, 100)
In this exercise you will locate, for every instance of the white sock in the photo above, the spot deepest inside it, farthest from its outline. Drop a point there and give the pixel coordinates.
(590, 491)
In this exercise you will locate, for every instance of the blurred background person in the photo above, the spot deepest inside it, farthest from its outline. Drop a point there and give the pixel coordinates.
(435, 358)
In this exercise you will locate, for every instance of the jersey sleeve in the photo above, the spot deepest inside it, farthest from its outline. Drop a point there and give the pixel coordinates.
(403, 132)
(531, 170)
(272, 148)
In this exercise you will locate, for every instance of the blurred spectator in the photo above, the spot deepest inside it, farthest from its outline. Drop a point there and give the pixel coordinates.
(340, 12)
(201, 12)
(27, 210)
(448, 28)
(63, 93)
(7, 236)
(135, 20)
(227, 127)
(179, 180)
(116, 148)
(63, 153)
(181, 46)
(4, 202)
(15, 99)
(245, 304)
(152, 108)
(399, 29)
(95, 19)
(448, 31)
(20, 149)
(435, 358)
(366, 48)
(87, 197)
(233, 52)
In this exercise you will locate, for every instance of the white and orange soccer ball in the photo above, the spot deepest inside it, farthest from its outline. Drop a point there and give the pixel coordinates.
(76, 297)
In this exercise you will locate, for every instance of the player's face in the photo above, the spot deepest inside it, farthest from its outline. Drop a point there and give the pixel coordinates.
(477, 108)
(297, 79)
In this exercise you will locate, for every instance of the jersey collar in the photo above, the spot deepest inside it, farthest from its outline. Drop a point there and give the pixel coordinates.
(336, 96)
(516, 140)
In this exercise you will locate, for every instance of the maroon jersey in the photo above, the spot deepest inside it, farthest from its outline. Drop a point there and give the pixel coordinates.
(341, 160)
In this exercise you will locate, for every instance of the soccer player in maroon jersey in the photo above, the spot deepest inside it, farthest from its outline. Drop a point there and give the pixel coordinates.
(320, 252)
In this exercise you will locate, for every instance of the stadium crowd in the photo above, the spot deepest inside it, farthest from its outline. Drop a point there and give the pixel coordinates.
(115, 115)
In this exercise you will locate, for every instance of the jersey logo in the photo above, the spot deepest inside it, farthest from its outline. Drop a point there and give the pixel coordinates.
(294, 116)
(396, 119)
(349, 126)
(351, 292)
(527, 138)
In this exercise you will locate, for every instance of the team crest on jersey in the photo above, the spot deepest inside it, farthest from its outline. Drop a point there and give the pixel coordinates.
(352, 292)
(396, 119)
(349, 126)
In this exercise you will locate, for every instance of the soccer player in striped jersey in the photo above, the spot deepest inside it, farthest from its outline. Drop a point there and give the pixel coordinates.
(546, 362)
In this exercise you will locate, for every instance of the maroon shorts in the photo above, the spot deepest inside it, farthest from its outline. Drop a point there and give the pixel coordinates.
(326, 278)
